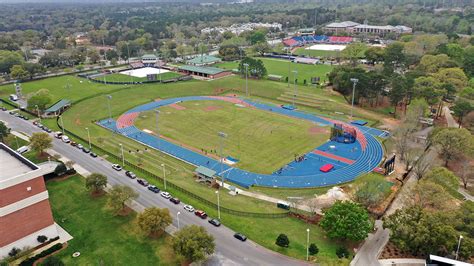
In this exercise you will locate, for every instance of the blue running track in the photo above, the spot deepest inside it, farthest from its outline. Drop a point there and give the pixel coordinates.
(293, 175)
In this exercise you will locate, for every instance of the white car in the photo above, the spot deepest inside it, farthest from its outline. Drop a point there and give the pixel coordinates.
(165, 195)
(117, 167)
(189, 208)
(65, 139)
(79, 146)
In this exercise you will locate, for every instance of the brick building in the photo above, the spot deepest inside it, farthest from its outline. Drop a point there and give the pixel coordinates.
(25, 212)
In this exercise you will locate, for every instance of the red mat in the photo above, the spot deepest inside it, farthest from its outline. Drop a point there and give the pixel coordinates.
(326, 168)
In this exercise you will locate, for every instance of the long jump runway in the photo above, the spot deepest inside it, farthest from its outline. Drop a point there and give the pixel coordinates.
(349, 160)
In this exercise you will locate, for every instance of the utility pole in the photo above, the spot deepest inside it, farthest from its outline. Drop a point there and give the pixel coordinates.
(246, 80)
(109, 97)
(295, 91)
(222, 135)
(157, 113)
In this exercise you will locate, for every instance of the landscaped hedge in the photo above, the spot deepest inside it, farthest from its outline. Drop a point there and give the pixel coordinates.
(51, 250)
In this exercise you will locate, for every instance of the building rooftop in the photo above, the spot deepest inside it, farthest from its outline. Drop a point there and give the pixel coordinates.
(204, 70)
(57, 106)
(205, 171)
(149, 56)
(13, 164)
(343, 24)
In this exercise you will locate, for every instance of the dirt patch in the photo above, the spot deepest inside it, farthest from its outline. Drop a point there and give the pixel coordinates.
(392, 252)
(77, 122)
(125, 211)
(318, 130)
(158, 99)
(177, 107)
(97, 194)
(211, 108)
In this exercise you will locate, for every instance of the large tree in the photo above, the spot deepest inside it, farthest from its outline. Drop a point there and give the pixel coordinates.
(346, 220)
(40, 141)
(96, 182)
(4, 131)
(153, 221)
(18, 72)
(468, 62)
(255, 68)
(354, 52)
(462, 108)
(193, 243)
(453, 142)
(8, 59)
(41, 98)
(119, 196)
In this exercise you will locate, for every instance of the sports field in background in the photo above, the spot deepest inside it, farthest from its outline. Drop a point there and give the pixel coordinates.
(118, 77)
(316, 53)
(280, 67)
(262, 141)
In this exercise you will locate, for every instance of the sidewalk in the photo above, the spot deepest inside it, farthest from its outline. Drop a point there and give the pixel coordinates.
(449, 118)
(373, 245)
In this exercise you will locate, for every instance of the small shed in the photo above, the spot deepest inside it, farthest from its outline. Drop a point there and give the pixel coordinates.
(57, 108)
(205, 173)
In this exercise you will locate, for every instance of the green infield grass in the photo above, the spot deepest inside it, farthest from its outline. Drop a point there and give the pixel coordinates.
(101, 237)
(316, 53)
(262, 141)
(280, 67)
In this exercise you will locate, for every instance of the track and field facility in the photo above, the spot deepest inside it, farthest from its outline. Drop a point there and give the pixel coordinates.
(265, 144)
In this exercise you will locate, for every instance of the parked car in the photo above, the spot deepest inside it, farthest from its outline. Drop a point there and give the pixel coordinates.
(23, 149)
(73, 143)
(165, 195)
(25, 117)
(93, 155)
(215, 222)
(201, 214)
(47, 129)
(189, 208)
(240, 236)
(79, 146)
(143, 182)
(57, 134)
(130, 174)
(35, 123)
(12, 112)
(117, 167)
(86, 150)
(154, 189)
(175, 200)
(65, 139)
(3, 108)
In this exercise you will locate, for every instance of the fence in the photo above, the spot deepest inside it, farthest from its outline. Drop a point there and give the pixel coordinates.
(178, 188)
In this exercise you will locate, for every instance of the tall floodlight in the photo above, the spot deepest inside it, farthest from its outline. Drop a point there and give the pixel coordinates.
(246, 80)
(354, 82)
(157, 114)
(296, 90)
(222, 136)
(109, 97)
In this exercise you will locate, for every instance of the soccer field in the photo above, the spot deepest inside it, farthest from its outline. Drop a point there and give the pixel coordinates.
(262, 141)
(280, 67)
(121, 77)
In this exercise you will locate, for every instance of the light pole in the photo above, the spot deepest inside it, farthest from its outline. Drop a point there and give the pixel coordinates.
(307, 244)
(177, 217)
(354, 82)
(289, 65)
(295, 92)
(246, 80)
(164, 174)
(222, 135)
(218, 205)
(38, 112)
(123, 158)
(89, 138)
(62, 123)
(109, 97)
(459, 245)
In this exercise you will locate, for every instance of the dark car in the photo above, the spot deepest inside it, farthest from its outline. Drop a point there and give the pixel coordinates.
(85, 150)
(73, 143)
(25, 118)
(12, 112)
(93, 155)
(215, 222)
(35, 123)
(175, 200)
(47, 130)
(130, 174)
(153, 188)
(240, 236)
(201, 214)
(3, 108)
(143, 182)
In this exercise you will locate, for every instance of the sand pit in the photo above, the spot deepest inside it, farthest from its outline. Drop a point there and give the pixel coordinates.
(317, 130)
(177, 107)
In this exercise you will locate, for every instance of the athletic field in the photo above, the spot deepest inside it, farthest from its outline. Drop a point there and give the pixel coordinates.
(261, 141)
(119, 77)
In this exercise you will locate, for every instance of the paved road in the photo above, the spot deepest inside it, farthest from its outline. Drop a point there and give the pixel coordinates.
(368, 254)
(229, 251)
(449, 118)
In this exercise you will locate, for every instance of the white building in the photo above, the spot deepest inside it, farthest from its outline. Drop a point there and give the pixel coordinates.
(239, 28)
(354, 27)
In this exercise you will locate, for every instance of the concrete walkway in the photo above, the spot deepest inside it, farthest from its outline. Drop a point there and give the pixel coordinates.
(402, 262)
(449, 118)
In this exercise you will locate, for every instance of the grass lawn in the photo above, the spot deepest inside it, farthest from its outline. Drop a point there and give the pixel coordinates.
(262, 141)
(316, 53)
(102, 239)
(118, 77)
(280, 67)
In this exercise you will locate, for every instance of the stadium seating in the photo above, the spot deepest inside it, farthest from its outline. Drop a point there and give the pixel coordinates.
(311, 39)
(349, 160)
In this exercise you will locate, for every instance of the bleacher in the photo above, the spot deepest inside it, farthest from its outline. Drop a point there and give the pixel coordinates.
(314, 39)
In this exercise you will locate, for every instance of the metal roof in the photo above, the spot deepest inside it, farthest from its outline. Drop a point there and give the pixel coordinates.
(343, 24)
(205, 171)
(202, 69)
(57, 106)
